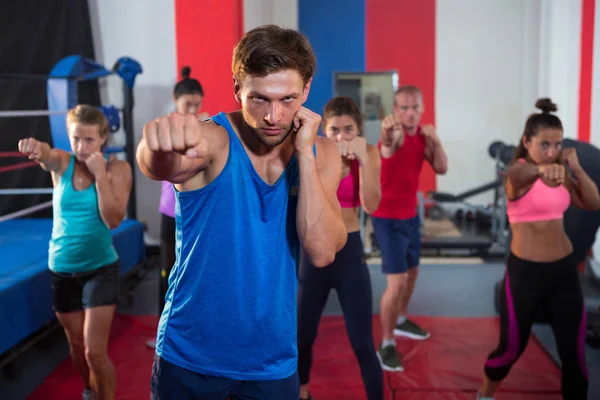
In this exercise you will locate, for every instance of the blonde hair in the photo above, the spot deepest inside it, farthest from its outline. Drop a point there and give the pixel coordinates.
(88, 115)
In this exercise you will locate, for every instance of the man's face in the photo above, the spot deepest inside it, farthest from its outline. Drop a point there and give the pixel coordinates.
(408, 108)
(270, 103)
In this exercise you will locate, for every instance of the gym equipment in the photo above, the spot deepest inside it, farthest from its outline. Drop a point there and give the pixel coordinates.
(490, 219)
(581, 227)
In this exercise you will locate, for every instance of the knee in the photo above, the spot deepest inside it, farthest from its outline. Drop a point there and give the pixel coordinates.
(412, 274)
(397, 286)
(77, 345)
(497, 374)
(94, 355)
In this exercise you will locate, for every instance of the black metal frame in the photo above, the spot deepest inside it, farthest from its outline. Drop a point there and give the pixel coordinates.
(130, 147)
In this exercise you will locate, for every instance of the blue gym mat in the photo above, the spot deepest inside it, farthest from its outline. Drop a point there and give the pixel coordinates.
(25, 292)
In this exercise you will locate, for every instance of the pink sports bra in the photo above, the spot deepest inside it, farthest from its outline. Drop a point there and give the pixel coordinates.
(347, 192)
(540, 203)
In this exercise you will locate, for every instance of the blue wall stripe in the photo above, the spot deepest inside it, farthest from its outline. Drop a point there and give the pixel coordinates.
(336, 30)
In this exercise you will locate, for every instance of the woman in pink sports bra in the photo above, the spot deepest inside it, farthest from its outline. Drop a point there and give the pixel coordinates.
(187, 96)
(541, 183)
(348, 275)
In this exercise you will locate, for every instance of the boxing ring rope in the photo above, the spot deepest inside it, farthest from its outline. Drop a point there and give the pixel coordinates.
(31, 113)
(26, 211)
(18, 166)
(62, 94)
(26, 191)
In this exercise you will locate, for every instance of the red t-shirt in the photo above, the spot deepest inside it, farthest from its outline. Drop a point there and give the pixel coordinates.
(400, 179)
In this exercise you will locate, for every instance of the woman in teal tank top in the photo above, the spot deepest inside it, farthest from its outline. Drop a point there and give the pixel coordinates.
(90, 198)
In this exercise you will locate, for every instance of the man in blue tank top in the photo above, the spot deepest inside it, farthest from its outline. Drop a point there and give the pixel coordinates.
(253, 187)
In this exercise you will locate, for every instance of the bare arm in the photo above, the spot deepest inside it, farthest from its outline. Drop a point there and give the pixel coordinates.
(584, 192)
(392, 136)
(370, 183)
(175, 148)
(51, 160)
(520, 175)
(114, 187)
(390, 143)
(319, 220)
(436, 156)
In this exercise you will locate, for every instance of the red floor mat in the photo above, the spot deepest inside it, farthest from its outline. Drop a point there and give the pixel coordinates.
(448, 366)
(127, 350)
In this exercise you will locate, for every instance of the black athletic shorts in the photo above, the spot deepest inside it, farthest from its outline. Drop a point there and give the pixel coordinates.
(75, 292)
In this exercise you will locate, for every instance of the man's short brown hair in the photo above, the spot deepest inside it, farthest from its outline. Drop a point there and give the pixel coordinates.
(269, 49)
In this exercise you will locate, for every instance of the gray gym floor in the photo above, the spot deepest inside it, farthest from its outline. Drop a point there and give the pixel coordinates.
(442, 290)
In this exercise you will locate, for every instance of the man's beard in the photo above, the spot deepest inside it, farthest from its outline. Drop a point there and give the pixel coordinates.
(269, 141)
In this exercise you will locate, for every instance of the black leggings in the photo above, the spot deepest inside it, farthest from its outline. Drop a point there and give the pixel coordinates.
(555, 288)
(167, 255)
(349, 276)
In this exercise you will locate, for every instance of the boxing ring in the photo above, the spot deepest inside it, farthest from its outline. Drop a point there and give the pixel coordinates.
(26, 312)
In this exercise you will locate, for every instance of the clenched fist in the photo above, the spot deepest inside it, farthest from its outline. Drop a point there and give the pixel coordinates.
(353, 149)
(306, 125)
(31, 147)
(176, 133)
(96, 164)
(552, 173)
(391, 130)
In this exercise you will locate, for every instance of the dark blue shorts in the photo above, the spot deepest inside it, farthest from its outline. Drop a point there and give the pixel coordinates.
(400, 243)
(170, 382)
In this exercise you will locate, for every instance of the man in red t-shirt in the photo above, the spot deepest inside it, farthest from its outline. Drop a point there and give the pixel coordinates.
(403, 145)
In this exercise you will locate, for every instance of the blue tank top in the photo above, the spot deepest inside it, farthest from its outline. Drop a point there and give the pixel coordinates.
(231, 304)
(80, 240)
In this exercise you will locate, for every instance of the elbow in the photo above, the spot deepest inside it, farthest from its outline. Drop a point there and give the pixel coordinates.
(594, 205)
(114, 224)
(114, 221)
(372, 204)
(442, 169)
(324, 254)
(323, 260)
(321, 257)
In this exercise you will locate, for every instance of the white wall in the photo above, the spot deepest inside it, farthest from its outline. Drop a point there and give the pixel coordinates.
(147, 34)
(559, 59)
(486, 63)
(262, 12)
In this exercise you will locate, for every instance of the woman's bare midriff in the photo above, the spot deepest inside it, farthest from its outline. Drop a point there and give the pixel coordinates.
(350, 216)
(541, 241)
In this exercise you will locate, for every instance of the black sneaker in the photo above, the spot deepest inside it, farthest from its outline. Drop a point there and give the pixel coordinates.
(411, 330)
(389, 359)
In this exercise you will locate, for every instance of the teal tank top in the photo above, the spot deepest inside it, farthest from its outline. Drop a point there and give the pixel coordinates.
(80, 240)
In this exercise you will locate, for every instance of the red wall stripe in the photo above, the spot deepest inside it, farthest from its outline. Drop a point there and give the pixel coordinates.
(586, 69)
(400, 35)
(206, 33)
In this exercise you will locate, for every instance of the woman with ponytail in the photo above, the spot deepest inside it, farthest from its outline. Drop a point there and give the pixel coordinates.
(542, 182)
(187, 98)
